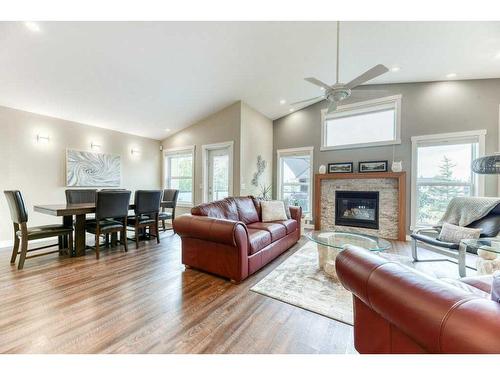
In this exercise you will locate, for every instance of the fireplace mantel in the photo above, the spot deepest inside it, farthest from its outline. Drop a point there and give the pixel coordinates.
(400, 177)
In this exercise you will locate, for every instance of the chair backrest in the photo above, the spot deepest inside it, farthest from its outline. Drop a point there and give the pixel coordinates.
(147, 201)
(114, 189)
(75, 196)
(170, 198)
(112, 204)
(18, 212)
(490, 224)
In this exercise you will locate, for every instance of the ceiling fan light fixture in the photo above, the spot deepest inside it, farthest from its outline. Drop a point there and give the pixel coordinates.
(395, 69)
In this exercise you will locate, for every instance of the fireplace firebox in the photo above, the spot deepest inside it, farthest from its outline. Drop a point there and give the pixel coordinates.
(357, 208)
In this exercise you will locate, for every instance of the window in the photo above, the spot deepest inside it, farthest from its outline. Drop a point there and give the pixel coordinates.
(441, 170)
(370, 123)
(179, 173)
(295, 176)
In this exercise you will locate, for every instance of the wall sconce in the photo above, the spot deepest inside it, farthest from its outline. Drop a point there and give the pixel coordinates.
(135, 151)
(42, 138)
(95, 146)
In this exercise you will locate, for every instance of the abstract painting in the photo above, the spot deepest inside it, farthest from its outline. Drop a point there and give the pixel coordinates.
(92, 169)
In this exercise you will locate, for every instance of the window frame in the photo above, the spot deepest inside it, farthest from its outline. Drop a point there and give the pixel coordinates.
(300, 151)
(478, 136)
(179, 151)
(368, 106)
(217, 146)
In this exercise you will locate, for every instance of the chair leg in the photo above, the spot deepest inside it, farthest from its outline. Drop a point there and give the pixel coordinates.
(157, 231)
(24, 250)
(163, 225)
(97, 235)
(461, 260)
(124, 238)
(70, 243)
(414, 249)
(136, 237)
(15, 249)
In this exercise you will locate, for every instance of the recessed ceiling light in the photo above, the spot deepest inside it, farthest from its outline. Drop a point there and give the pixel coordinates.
(497, 56)
(167, 130)
(451, 75)
(322, 88)
(282, 101)
(291, 109)
(395, 69)
(32, 26)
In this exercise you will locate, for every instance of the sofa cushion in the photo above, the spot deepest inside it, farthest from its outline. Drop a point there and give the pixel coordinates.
(290, 225)
(258, 239)
(246, 209)
(276, 230)
(223, 209)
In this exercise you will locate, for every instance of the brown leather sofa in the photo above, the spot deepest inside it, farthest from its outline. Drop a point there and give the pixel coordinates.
(228, 238)
(400, 310)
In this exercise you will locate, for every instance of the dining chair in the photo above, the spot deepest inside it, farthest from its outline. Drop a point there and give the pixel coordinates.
(169, 200)
(110, 216)
(147, 208)
(24, 234)
(77, 196)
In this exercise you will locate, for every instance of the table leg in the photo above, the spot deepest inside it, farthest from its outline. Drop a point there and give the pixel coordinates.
(80, 235)
(67, 222)
(114, 239)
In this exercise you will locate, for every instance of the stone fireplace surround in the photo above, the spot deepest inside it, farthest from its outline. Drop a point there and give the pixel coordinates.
(392, 191)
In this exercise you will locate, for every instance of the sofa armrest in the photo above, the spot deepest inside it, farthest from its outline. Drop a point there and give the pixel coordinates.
(227, 232)
(439, 317)
(296, 214)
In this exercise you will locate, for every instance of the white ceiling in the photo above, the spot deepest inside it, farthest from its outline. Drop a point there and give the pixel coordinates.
(145, 77)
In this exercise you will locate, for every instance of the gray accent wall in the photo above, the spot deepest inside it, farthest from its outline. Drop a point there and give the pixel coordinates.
(427, 108)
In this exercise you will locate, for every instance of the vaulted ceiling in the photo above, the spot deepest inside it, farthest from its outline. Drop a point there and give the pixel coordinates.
(146, 77)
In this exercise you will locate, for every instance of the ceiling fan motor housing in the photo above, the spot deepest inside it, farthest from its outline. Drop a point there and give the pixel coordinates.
(338, 95)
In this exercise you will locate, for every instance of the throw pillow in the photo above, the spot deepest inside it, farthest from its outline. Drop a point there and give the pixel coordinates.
(272, 211)
(454, 233)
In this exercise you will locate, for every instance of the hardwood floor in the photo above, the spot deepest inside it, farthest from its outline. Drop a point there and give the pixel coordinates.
(144, 301)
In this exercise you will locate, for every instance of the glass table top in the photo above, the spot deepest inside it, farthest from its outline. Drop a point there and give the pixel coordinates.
(490, 244)
(339, 240)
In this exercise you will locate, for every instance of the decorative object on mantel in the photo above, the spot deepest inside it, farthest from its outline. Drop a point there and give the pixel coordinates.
(322, 169)
(397, 166)
(372, 166)
(92, 169)
(487, 164)
(346, 167)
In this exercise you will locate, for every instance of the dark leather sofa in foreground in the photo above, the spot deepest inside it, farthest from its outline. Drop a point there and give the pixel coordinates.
(399, 310)
(228, 238)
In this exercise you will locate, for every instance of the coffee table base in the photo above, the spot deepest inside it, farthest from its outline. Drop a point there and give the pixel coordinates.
(326, 260)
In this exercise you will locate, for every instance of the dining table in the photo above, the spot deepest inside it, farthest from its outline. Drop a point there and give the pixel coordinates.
(74, 214)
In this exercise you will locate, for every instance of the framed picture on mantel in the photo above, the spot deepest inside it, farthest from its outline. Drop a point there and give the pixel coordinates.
(372, 166)
(346, 167)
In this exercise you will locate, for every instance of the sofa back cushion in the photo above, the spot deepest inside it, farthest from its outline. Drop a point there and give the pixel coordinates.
(223, 209)
(247, 211)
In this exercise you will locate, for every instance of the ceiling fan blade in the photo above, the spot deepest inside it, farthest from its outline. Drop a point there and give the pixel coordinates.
(307, 100)
(366, 76)
(331, 107)
(317, 82)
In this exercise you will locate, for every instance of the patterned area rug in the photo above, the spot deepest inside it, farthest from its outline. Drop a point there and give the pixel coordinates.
(299, 282)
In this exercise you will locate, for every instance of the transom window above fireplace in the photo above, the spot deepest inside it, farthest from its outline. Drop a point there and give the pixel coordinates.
(363, 124)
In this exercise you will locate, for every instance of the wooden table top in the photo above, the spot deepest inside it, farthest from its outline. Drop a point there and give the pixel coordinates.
(68, 209)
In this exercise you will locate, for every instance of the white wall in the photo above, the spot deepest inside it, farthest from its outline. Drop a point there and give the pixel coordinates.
(256, 139)
(38, 170)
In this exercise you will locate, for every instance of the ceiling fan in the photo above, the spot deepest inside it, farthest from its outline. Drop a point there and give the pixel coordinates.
(338, 92)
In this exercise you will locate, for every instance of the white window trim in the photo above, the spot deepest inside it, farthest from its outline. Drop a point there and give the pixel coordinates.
(174, 151)
(216, 146)
(360, 107)
(455, 136)
(293, 151)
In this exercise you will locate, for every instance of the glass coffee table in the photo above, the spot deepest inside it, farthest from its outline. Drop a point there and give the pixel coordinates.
(488, 251)
(331, 243)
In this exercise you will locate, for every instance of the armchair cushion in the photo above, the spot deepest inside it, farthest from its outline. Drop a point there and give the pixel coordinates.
(434, 241)
(454, 233)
